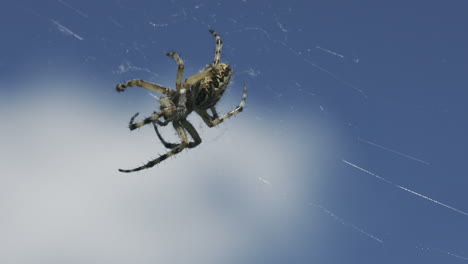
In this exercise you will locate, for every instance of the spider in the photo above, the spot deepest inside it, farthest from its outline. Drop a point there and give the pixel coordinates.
(198, 93)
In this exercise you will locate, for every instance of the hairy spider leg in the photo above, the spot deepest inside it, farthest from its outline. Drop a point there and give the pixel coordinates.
(145, 121)
(190, 129)
(184, 143)
(211, 122)
(180, 68)
(219, 45)
(147, 85)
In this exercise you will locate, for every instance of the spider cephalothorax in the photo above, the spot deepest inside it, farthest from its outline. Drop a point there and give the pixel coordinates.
(198, 93)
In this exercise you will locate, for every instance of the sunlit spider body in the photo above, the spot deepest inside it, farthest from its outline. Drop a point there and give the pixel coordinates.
(200, 93)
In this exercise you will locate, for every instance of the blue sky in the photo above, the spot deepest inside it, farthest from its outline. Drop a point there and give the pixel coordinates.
(351, 149)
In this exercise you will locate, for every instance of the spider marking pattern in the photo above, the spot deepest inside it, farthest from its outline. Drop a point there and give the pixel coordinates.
(198, 93)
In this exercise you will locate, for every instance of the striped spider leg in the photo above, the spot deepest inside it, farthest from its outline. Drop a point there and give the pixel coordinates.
(190, 129)
(184, 143)
(214, 120)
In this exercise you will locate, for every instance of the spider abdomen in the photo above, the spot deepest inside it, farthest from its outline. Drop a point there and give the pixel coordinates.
(210, 89)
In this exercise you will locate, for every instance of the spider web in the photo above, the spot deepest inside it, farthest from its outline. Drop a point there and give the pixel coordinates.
(352, 140)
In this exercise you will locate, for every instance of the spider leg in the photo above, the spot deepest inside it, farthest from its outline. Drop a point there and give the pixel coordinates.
(159, 122)
(180, 68)
(166, 144)
(174, 151)
(213, 121)
(213, 111)
(132, 125)
(190, 129)
(219, 45)
(147, 85)
(195, 78)
(193, 133)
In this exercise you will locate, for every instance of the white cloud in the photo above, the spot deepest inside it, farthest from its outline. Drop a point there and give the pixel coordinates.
(63, 200)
